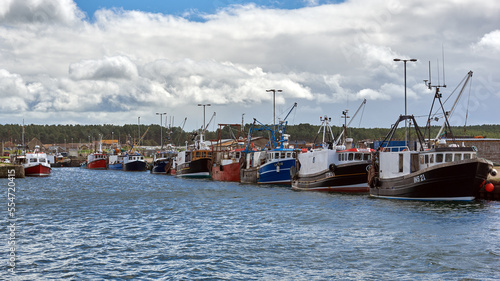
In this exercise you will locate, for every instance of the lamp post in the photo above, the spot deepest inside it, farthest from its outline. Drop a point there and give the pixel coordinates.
(161, 130)
(406, 111)
(204, 113)
(274, 103)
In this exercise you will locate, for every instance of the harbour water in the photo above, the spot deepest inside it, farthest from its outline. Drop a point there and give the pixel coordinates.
(83, 224)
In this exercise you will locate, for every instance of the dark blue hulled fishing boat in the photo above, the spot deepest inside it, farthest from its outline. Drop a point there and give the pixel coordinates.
(163, 162)
(279, 160)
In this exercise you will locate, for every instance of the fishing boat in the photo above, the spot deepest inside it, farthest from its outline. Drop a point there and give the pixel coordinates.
(280, 159)
(60, 161)
(226, 155)
(251, 162)
(252, 158)
(194, 162)
(330, 167)
(427, 171)
(35, 164)
(163, 162)
(277, 165)
(115, 162)
(134, 162)
(97, 160)
(226, 165)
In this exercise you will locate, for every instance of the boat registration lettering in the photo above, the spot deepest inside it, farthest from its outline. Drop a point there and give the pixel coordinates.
(419, 178)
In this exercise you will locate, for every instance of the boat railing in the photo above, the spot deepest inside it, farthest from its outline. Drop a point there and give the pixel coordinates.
(395, 148)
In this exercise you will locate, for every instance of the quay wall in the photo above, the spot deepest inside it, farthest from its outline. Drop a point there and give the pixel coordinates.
(4, 171)
(486, 148)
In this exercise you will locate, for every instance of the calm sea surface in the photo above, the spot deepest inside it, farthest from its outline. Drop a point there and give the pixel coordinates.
(93, 225)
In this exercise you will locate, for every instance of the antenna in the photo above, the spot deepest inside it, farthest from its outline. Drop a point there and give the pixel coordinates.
(437, 66)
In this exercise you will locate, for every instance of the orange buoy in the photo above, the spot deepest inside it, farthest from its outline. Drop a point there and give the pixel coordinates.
(489, 187)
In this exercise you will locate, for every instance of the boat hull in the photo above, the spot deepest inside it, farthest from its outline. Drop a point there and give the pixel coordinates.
(161, 167)
(118, 166)
(249, 175)
(276, 172)
(350, 178)
(99, 164)
(37, 170)
(198, 168)
(60, 164)
(456, 182)
(229, 172)
(135, 166)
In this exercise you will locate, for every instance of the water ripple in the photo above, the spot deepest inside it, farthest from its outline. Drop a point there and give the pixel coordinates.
(94, 225)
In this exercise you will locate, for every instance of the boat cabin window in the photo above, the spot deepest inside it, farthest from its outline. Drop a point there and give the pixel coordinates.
(350, 156)
(358, 156)
(439, 158)
(367, 156)
(283, 154)
(277, 155)
(42, 160)
(466, 156)
(33, 160)
(448, 157)
(458, 156)
(427, 158)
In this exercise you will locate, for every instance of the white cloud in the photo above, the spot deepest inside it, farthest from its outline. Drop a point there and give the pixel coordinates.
(117, 67)
(321, 56)
(490, 41)
(39, 12)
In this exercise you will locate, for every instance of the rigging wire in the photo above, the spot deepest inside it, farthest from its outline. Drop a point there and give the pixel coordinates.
(361, 118)
(451, 94)
(467, 109)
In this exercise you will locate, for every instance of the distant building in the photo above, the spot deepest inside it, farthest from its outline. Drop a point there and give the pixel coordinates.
(34, 142)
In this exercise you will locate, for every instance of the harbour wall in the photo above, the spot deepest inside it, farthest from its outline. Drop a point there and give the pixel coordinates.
(486, 148)
(4, 171)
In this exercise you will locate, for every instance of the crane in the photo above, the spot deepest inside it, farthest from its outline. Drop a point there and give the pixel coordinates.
(142, 137)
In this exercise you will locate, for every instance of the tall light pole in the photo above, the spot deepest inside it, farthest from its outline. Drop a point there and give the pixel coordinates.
(406, 108)
(204, 113)
(274, 103)
(161, 130)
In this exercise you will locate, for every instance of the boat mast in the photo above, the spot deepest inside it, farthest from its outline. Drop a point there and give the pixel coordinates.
(345, 116)
(23, 136)
(449, 113)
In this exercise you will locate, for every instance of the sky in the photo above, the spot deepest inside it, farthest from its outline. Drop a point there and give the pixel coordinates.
(113, 61)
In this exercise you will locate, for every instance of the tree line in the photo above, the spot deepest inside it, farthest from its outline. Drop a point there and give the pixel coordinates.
(60, 134)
